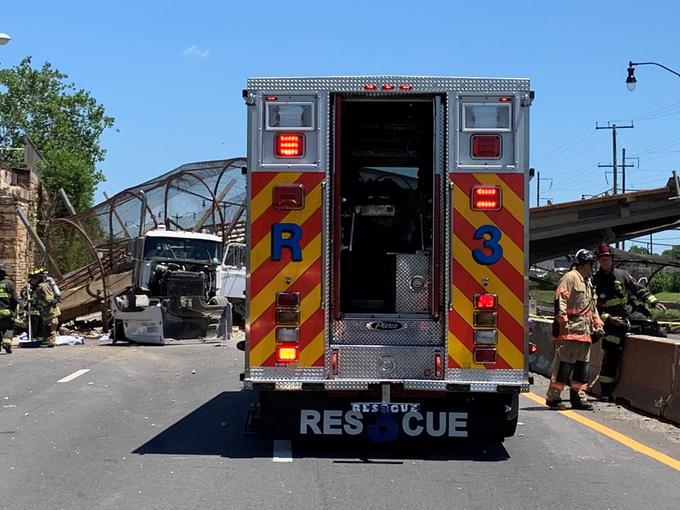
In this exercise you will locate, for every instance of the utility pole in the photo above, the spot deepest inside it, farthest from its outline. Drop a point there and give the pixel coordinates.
(623, 170)
(613, 127)
(538, 187)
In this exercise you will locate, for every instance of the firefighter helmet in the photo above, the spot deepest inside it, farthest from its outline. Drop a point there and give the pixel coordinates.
(38, 271)
(604, 250)
(584, 256)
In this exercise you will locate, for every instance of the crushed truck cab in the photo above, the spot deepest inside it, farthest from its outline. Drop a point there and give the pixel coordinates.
(387, 255)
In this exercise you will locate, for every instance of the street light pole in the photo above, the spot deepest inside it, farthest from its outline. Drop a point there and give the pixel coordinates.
(4, 38)
(631, 81)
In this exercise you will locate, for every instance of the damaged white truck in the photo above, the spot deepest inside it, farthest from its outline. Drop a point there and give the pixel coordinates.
(175, 290)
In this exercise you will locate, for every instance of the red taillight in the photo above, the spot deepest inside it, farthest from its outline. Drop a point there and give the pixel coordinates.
(486, 146)
(271, 98)
(484, 355)
(486, 198)
(437, 365)
(289, 196)
(287, 353)
(289, 145)
(288, 299)
(406, 86)
(485, 301)
(505, 99)
(388, 86)
(334, 362)
(533, 348)
(370, 86)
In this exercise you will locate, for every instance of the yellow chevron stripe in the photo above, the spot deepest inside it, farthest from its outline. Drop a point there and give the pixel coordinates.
(511, 252)
(313, 351)
(293, 270)
(263, 200)
(513, 305)
(263, 250)
(460, 354)
(511, 201)
(267, 345)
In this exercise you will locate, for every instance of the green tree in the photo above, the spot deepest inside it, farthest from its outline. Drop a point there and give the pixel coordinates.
(640, 250)
(672, 253)
(65, 124)
(660, 282)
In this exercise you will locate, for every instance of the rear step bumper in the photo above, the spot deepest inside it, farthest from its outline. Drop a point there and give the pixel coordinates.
(474, 386)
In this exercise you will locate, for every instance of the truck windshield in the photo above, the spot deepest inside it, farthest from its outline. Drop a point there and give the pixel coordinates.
(198, 250)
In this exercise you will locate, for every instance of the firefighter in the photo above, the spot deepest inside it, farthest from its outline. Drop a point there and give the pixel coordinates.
(45, 299)
(576, 322)
(8, 306)
(617, 295)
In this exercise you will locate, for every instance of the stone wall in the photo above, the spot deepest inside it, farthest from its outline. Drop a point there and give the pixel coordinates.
(18, 189)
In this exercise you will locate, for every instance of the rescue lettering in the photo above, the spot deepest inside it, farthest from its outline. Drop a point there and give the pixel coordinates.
(286, 235)
(384, 427)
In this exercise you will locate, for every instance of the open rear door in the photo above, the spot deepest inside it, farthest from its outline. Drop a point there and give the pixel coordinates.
(387, 237)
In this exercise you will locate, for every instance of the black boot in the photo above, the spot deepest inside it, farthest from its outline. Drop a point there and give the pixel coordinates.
(578, 403)
(606, 392)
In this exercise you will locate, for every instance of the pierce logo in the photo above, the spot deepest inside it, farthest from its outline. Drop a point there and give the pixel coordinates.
(386, 325)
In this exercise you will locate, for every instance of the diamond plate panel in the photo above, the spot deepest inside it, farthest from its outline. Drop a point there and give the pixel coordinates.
(381, 362)
(355, 331)
(502, 376)
(419, 83)
(296, 374)
(413, 283)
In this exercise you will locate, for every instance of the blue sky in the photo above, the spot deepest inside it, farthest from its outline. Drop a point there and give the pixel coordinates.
(171, 73)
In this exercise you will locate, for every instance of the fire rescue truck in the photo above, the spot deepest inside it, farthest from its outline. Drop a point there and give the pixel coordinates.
(387, 247)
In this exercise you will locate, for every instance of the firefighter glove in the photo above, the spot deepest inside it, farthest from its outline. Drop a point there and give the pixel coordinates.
(660, 306)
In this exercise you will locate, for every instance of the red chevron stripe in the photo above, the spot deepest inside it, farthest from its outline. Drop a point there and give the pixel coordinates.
(511, 226)
(259, 180)
(262, 225)
(304, 284)
(452, 363)
(516, 183)
(264, 274)
(503, 269)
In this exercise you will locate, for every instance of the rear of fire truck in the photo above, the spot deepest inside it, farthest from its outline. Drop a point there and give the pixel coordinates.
(387, 254)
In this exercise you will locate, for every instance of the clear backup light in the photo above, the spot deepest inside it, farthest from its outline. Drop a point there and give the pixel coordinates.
(486, 146)
(485, 198)
(484, 319)
(287, 335)
(485, 337)
(289, 145)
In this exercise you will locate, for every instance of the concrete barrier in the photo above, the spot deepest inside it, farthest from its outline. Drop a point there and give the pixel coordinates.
(648, 373)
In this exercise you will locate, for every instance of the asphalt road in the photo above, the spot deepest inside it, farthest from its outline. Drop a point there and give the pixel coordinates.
(161, 427)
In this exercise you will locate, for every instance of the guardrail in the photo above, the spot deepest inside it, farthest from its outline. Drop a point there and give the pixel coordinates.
(649, 376)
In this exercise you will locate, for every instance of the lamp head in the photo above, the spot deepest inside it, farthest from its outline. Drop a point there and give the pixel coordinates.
(630, 80)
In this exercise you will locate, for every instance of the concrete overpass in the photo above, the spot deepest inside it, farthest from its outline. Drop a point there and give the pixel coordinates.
(563, 228)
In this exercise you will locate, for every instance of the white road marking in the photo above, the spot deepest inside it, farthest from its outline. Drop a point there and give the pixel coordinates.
(283, 451)
(75, 374)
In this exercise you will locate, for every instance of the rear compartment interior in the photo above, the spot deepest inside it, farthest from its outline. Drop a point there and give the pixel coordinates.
(386, 205)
